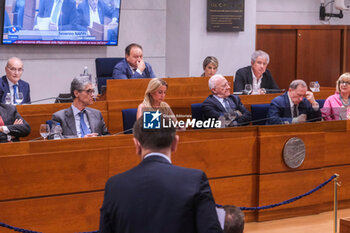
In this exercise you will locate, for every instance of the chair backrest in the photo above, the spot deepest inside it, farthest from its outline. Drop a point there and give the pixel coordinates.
(104, 69)
(129, 118)
(64, 98)
(321, 102)
(259, 113)
(197, 111)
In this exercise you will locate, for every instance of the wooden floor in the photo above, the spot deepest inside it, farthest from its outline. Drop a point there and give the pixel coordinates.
(320, 223)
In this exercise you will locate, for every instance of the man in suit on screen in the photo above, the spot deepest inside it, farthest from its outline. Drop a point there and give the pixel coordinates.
(79, 120)
(12, 84)
(157, 196)
(62, 14)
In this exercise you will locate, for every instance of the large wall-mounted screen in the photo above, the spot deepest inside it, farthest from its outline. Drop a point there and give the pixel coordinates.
(73, 22)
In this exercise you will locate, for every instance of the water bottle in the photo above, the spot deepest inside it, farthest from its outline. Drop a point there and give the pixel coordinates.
(317, 87)
(8, 99)
(86, 71)
(57, 131)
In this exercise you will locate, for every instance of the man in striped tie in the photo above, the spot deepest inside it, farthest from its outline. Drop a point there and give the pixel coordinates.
(79, 120)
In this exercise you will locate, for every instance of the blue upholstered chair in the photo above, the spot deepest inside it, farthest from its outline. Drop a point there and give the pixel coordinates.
(197, 111)
(259, 113)
(129, 118)
(104, 69)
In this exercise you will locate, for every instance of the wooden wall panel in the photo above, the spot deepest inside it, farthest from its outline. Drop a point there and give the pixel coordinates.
(319, 56)
(278, 187)
(67, 213)
(281, 47)
(52, 173)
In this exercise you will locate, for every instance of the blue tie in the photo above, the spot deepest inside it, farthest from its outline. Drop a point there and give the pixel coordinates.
(83, 127)
(227, 105)
(15, 91)
(54, 17)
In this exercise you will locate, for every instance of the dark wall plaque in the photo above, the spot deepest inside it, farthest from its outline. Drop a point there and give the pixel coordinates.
(225, 15)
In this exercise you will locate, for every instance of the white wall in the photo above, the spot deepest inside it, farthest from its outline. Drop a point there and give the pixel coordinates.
(297, 12)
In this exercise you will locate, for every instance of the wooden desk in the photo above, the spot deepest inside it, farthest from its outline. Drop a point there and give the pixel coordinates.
(57, 185)
(344, 225)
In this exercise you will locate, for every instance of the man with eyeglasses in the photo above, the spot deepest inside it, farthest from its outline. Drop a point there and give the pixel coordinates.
(79, 120)
(221, 105)
(11, 84)
(297, 105)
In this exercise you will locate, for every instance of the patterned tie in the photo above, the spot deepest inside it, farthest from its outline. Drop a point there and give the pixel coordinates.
(15, 93)
(295, 110)
(56, 11)
(227, 105)
(83, 127)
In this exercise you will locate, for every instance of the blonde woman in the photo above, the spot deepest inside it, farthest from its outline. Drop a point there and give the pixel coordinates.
(210, 66)
(337, 106)
(154, 98)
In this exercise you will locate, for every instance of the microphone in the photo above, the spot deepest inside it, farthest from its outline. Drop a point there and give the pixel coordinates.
(39, 100)
(122, 132)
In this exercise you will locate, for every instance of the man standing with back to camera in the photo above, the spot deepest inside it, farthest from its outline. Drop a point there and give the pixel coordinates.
(156, 196)
(133, 66)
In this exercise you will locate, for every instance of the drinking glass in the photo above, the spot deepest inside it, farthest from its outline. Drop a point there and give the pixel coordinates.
(248, 89)
(8, 99)
(312, 86)
(44, 130)
(19, 98)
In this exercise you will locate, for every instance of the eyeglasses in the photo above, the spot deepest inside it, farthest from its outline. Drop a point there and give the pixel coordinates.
(13, 69)
(345, 83)
(228, 84)
(89, 91)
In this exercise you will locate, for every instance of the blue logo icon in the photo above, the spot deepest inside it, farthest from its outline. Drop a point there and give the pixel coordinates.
(151, 120)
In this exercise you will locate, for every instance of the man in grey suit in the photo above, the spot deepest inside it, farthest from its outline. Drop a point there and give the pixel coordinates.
(79, 120)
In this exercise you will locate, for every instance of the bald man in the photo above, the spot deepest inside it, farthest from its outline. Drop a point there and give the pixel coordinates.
(12, 83)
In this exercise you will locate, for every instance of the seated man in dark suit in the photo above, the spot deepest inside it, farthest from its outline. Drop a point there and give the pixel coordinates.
(79, 120)
(157, 196)
(231, 219)
(90, 11)
(297, 105)
(133, 66)
(11, 84)
(12, 125)
(222, 104)
(257, 75)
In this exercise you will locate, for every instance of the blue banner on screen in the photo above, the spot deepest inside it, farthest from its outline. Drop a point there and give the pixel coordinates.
(74, 22)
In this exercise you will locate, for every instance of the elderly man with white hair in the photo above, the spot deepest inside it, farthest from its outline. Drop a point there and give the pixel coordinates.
(221, 104)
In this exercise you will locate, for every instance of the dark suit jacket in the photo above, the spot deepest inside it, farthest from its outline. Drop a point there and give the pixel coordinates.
(67, 121)
(212, 108)
(156, 196)
(68, 17)
(102, 8)
(244, 76)
(9, 114)
(122, 71)
(280, 112)
(22, 87)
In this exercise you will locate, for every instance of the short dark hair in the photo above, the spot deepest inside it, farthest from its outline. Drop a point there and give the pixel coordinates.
(130, 46)
(78, 84)
(154, 138)
(234, 219)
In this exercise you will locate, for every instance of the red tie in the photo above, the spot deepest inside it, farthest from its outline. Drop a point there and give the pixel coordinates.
(1, 121)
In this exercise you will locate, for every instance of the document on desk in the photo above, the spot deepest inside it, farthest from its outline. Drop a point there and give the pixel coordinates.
(43, 23)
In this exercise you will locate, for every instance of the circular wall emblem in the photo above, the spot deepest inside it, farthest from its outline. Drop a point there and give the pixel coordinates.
(294, 152)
